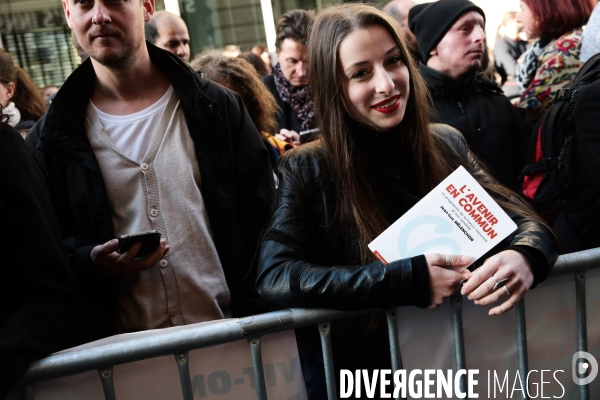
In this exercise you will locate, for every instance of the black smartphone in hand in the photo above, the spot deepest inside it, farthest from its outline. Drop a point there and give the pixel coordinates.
(150, 241)
(308, 136)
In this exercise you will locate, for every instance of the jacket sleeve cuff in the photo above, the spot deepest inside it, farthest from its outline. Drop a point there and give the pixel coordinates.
(538, 262)
(414, 275)
(82, 265)
(421, 281)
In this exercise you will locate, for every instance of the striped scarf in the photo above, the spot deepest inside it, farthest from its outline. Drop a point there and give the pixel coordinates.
(298, 97)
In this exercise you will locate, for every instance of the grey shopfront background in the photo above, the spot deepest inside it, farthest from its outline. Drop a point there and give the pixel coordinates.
(36, 33)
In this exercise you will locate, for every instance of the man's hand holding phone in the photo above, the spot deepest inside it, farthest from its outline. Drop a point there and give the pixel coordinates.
(110, 263)
(289, 136)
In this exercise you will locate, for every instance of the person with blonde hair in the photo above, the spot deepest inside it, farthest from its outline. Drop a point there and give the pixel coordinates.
(377, 156)
(232, 50)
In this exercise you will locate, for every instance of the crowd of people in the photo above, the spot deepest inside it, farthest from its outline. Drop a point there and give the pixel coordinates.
(267, 175)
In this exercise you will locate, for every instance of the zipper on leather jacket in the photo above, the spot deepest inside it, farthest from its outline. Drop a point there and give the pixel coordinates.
(461, 108)
(463, 114)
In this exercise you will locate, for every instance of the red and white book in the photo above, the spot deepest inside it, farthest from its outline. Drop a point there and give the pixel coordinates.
(458, 217)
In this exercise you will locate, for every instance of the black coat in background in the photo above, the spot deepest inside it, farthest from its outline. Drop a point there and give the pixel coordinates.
(237, 182)
(286, 117)
(491, 125)
(41, 309)
(577, 225)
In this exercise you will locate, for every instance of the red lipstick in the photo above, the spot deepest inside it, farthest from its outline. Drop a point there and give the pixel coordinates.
(382, 108)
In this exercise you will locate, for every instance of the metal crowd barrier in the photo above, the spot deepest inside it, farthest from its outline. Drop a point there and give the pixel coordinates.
(103, 358)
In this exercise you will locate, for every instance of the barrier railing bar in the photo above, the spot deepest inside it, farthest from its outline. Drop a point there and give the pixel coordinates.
(581, 324)
(459, 337)
(522, 343)
(26, 392)
(106, 377)
(69, 363)
(183, 365)
(576, 262)
(219, 332)
(190, 338)
(259, 372)
(392, 325)
(325, 332)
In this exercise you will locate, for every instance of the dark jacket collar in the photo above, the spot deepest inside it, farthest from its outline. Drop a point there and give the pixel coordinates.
(442, 85)
(64, 127)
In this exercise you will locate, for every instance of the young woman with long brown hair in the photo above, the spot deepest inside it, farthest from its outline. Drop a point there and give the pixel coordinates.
(376, 158)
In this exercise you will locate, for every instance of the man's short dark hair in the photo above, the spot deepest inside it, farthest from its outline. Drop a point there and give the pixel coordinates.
(151, 31)
(294, 25)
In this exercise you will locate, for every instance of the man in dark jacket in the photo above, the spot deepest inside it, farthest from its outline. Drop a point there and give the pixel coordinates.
(288, 82)
(135, 141)
(451, 39)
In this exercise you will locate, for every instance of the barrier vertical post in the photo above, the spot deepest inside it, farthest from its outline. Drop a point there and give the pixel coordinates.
(106, 377)
(392, 325)
(522, 343)
(459, 339)
(183, 365)
(584, 391)
(259, 373)
(393, 336)
(325, 332)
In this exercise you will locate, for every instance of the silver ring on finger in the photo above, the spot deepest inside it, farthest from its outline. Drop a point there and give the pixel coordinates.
(506, 290)
(499, 283)
(447, 260)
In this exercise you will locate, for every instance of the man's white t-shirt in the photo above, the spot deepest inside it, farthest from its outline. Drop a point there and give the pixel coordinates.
(131, 134)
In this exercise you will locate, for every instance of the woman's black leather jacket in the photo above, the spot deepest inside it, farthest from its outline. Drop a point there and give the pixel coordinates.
(305, 261)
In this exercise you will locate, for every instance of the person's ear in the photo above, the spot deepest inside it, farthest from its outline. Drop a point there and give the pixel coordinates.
(67, 13)
(433, 52)
(148, 9)
(10, 90)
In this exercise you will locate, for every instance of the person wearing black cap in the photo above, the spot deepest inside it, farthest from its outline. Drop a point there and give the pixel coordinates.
(451, 38)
